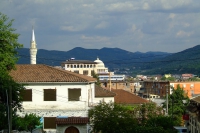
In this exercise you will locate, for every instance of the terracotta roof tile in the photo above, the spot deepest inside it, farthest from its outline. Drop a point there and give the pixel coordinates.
(126, 97)
(101, 92)
(44, 73)
(72, 120)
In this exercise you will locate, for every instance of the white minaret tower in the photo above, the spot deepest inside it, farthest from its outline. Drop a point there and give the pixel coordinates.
(33, 49)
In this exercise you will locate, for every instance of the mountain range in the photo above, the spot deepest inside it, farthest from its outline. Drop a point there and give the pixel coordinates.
(122, 61)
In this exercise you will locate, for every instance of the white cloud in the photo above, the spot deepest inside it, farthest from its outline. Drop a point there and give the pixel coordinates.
(113, 23)
(102, 25)
(94, 38)
(183, 34)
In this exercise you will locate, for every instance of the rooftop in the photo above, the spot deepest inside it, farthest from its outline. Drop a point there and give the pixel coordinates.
(101, 92)
(126, 97)
(43, 73)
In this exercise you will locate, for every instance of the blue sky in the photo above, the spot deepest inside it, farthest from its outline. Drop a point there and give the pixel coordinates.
(132, 25)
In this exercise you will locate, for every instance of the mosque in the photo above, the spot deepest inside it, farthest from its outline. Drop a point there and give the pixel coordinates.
(84, 67)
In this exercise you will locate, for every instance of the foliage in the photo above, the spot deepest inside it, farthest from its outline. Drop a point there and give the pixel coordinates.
(117, 118)
(177, 103)
(27, 123)
(146, 111)
(8, 58)
(168, 79)
(111, 118)
(160, 121)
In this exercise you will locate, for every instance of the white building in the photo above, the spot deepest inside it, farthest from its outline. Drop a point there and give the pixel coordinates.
(53, 93)
(84, 67)
(60, 97)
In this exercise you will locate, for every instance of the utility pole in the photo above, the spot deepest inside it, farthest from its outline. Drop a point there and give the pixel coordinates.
(110, 81)
(167, 100)
(10, 109)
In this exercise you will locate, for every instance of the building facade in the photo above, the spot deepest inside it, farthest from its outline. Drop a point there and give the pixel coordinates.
(191, 88)
(61, 98)
(85, 67)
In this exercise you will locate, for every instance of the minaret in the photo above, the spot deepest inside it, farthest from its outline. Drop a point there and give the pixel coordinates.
(33, 49)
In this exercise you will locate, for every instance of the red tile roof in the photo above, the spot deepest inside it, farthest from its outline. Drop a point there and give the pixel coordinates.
(101, 92)
(126, 97)
(72, 120)
(43, 73)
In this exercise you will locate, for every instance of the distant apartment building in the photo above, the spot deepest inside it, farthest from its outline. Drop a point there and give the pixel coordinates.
(187, 76)
(154, 88)
(191, 88)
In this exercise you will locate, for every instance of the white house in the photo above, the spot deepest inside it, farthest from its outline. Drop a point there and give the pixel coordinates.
(60, 97)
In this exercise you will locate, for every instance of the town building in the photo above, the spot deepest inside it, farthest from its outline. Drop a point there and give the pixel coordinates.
(191, 88)
(128, 98)
(192, 118)
(54, 94)
(159, 89)
(85, 67)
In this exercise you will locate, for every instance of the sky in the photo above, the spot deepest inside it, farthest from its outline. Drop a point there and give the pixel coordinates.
(133, 25)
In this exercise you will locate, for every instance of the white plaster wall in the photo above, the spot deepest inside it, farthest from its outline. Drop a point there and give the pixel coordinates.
(61, 106)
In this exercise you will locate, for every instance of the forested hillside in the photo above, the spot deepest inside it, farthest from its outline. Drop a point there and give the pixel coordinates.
(187, 61)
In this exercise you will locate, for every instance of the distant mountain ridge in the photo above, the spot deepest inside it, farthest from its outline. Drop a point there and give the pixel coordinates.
(116, 58)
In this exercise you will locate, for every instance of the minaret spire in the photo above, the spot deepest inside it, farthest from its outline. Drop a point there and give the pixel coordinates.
(33, 48)
(33, 35)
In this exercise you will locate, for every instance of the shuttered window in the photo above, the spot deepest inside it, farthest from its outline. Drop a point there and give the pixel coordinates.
(49, 94)
(27, 95)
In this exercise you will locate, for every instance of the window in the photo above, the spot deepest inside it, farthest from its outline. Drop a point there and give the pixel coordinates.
(92, 72)
(76, 71)
(27, 95)
(74, 94)
(85, 72)
(49, 94)
(49, 122)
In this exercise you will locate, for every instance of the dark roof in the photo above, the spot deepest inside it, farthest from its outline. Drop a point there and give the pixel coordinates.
(43, 73)
(72, 120)
(101, 92)
(78, 62)
(126, 97)
(196, 99)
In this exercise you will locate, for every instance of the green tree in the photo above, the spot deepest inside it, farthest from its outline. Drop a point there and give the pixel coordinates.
(118, 118)
(27, 123)
(177, 103)
(8, 58)
(111, 118)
